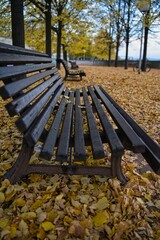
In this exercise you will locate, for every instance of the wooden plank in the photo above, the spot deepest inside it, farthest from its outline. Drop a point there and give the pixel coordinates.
(64, 141)
(48, 147)
(24, 122)
(136, 142)
(33, 134)
(18, 104)
(79, 144)
(13, 88)
(7, 58)
(15, 49)
(13, 71)
(112, 138)
(97, 146)
(152, 151)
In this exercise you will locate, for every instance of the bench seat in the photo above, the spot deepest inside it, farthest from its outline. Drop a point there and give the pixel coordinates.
(76, 131)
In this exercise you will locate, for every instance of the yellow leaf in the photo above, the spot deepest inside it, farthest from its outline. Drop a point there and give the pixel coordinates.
(20, 202)
(28, 215)
(157, 204)
(158, 233)
(102, 203)
(47, 226)
(75, 204)
(23, 227)
(10, 192)
(2, 197)
(13, 232)
(38, 203)
(67, 219)
(100, 218)
(47, 196)
(84, 198)
(59, 197)
(51, 216)
(41, 234)
(3, 222)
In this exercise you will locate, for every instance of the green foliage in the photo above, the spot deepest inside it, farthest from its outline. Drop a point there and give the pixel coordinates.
(5, 19)
(79, 46)
(100, 46)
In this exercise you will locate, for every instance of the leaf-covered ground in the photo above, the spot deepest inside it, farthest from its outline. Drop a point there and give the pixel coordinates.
(90, 208)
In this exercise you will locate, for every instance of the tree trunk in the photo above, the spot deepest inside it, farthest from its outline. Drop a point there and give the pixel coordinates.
(127, 35)
(59, 38)
(117, 50)
(109, 54)
(145, 43)
(48, 27)
(118, 35)
(64, 52)
(17, 16)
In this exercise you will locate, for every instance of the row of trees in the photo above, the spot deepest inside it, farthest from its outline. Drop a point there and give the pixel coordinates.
(82, 28)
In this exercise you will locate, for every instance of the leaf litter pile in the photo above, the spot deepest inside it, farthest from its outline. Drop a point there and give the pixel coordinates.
(80, 207)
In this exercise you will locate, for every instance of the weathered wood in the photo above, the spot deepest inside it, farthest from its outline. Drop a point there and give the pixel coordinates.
(33, 134)
(79, 144)
(48, 147)
(136, 142)
(64, 141)
(15, 49)
(13, 71)
(13, 88)
(112, 138)
(26, 119)
(97, 146)
(7, 58)
(23, 101)
(152, 149)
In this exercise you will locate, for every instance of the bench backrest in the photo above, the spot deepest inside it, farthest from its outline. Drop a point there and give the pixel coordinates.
(32, 84)
(65, 65)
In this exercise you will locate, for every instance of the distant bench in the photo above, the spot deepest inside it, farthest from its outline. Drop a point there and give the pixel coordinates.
(70, 72)
(70, 127)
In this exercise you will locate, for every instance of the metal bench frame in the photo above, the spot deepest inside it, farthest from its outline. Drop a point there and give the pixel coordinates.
(55, 116)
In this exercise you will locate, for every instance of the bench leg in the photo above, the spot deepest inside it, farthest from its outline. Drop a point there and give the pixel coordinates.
(116, 169)
(19, 168)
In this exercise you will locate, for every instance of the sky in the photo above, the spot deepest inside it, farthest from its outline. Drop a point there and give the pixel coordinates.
(153, 50)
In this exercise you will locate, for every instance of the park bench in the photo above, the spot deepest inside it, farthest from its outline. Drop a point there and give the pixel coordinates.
(76, 131)
(73, 64)
(70, 72)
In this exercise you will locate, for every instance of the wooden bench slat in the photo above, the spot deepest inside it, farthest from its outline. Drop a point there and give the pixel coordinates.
(48, 147)
(64, 141)
(11, 89)
(7, 58)
(152, 151)
(21, 102)
(7, 48)
(12, 71)
(79, 143)
(136, 142)
(33, 134)
(97, 146)
(112, 138)
(26, 119)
